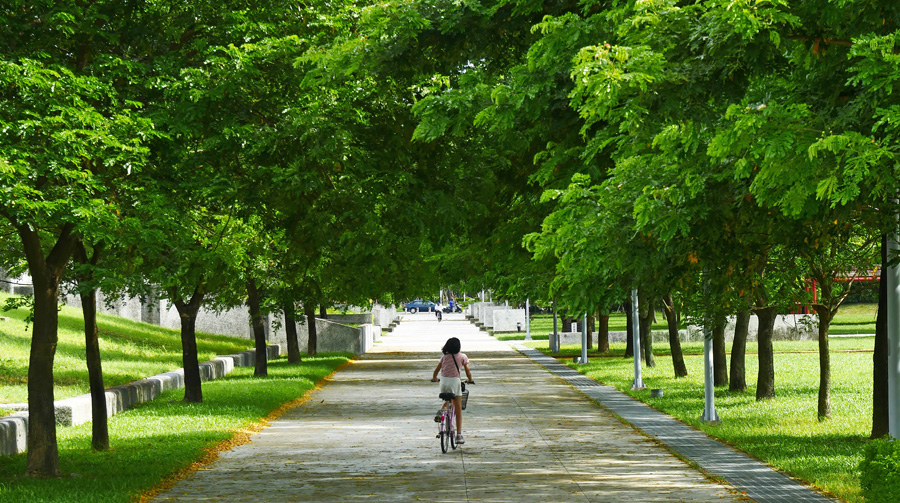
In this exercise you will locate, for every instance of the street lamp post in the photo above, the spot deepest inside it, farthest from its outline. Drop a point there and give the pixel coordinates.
(709, 389)
(636, 335)
(584, 340)
(554, 339)
(893, 329)
(527, 324)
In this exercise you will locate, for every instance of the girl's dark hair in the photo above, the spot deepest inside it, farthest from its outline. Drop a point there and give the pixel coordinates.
(452, 346)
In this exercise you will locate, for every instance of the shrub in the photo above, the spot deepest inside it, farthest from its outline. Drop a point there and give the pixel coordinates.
(880, 472)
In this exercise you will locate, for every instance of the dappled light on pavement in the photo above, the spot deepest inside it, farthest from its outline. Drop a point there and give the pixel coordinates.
(369, 434)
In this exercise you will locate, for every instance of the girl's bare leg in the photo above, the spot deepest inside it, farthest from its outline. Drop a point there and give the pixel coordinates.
(457, 404)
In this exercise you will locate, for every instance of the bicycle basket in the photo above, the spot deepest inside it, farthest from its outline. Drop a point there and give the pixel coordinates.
(465, 398)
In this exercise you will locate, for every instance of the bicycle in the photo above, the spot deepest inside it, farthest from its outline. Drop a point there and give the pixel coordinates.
(447, 423)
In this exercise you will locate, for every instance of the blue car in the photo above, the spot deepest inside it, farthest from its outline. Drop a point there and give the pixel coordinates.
(420, 305)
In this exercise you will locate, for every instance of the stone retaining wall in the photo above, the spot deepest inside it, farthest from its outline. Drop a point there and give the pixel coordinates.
(787, 327)
(351, 319)
(385, 317)
(77, 410)
(337, 337)
(233, 322)
(505, 320)
(489, 310)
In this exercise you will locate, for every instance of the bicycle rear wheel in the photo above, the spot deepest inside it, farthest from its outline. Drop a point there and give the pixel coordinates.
(445, 431)
(451, 418)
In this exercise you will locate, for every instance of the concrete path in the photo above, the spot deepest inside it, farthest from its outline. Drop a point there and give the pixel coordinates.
(369, 434)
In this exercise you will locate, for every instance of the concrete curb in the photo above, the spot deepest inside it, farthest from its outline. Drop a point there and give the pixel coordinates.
(77, 410)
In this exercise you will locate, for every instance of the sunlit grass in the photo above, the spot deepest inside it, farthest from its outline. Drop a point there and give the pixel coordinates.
(784, 432)
(157, 438)
(129, 351)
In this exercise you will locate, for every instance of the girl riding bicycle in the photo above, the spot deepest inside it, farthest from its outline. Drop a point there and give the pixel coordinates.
(449, 366)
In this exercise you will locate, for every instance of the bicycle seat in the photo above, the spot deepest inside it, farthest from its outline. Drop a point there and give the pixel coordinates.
(447, 396)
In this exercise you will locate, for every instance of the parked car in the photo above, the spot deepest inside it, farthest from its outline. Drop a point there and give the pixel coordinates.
(420, 305)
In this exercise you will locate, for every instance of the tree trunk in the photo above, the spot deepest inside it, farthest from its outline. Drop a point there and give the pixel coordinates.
(646, 315)
(43, 454)
(674, 339)
(99, 414)
(603, 332)
(739, 352)
(825, 317)
(261, 367)
(310, 311)
(290, 330)
(765, 382)
(323, 312)
(880, 419)
(42, 459)
(187, 311)
(629, 331)
(720, 363)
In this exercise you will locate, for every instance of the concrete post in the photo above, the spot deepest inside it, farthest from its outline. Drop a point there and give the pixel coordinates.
(893, 328)
(636, 329)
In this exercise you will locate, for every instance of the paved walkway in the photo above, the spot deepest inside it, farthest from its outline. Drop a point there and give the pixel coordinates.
(368, 434)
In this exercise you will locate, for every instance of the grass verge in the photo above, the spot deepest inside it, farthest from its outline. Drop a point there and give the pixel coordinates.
(130, 350)
(784, 432)
(156, 440)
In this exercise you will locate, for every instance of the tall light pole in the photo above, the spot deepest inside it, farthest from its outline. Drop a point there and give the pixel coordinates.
(893, 329)
(709, 389)
(584, 340)
(527, 324)
(636, 335)
(554, 339)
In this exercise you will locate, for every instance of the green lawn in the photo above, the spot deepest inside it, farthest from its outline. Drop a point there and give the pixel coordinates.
(784, 432)
(854, 319)
(129, 350)
(155, 439)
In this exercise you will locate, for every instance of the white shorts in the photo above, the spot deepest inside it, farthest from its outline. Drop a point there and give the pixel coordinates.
(451, 385)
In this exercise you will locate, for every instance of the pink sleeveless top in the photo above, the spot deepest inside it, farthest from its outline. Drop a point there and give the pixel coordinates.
(448, 368)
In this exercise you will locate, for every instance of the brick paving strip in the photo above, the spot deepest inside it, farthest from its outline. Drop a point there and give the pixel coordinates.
(368, 434)
(756, 479)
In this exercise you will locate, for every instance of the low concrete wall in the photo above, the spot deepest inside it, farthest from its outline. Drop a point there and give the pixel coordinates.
(77, 410)
(368, 335)
(489, 311)
(384, 317)
(13, 433)
(233, 322)
(787, 327)
(351, 319)
(505, 320)
(478, 310)
(333, 337)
